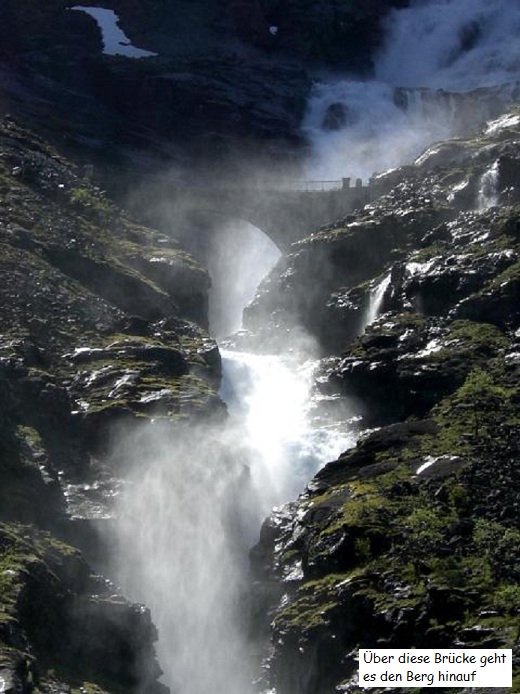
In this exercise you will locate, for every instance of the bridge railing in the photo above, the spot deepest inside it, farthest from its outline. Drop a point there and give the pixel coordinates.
(302, 185)
(299, 185)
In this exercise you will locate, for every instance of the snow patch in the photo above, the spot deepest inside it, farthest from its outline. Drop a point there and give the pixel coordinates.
(115, 41)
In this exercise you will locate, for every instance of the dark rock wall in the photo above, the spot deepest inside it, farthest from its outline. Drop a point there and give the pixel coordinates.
(340, 34)
(103, 322)
(222, 84)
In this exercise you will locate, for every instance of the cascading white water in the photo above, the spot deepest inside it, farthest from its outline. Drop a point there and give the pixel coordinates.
(375, 301)
(196, 498)
(488, 189)
(451, 45)
(270, 397)
(182, 533)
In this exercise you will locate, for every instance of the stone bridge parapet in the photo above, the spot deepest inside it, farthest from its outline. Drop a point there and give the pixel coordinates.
(286, 210)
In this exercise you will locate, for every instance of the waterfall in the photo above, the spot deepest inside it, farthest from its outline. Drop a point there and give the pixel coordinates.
(375, 301)
(270, 397)
(196, 497)
(234, 279)
(181, 549)
(488, 189)
(444, 68)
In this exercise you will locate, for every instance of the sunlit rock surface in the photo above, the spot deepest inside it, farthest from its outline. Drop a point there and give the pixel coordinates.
(412, 537)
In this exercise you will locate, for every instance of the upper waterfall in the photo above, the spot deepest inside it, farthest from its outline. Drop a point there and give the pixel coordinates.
(455, 45)
(435, 54)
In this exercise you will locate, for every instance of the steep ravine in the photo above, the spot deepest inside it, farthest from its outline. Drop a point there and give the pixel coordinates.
(109, 378)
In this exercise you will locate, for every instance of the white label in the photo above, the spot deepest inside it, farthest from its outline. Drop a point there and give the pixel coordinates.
(427, 667)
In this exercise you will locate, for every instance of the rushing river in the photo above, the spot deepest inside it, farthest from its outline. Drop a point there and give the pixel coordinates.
(194, 506)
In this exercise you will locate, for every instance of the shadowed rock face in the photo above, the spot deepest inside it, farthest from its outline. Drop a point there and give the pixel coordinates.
(55, 610)
(250, 21)
(322, 31)
(412, 537)
(103, 323)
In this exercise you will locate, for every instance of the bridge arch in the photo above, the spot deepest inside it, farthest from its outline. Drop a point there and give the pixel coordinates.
(238, 257)
(285, 214)
(286, 210)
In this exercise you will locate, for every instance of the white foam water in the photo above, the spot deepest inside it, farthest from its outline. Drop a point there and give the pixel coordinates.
(436, 54)
(488, 189)
(375, 301)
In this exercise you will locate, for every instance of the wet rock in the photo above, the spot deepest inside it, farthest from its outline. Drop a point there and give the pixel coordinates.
(67, 615)
(382, 546)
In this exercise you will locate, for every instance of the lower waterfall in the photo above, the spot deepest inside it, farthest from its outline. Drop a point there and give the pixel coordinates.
(193, 505)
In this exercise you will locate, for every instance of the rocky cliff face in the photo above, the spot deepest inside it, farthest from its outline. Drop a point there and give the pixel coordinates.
(103, 322)
(412, 537)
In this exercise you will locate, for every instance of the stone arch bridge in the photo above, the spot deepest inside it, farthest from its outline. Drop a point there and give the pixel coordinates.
(286, 211)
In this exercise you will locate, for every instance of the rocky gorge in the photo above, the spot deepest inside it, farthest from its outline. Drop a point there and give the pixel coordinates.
(411, 537)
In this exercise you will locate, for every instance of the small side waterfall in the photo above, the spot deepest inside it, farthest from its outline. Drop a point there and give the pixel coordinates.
(445, 67)
(488, 189)
(375, 301)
